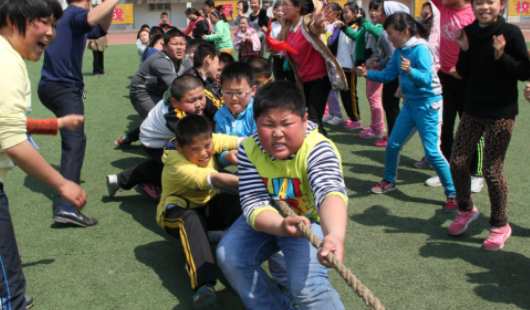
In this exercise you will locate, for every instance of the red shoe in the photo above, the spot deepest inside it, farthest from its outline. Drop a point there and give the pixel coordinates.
(452, 205)
(152, 191)
(382, 142)
(383, 187)
(122, 141)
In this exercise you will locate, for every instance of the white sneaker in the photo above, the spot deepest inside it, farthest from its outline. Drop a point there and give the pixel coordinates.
(433, 181)
(112, 184)
(476, 184)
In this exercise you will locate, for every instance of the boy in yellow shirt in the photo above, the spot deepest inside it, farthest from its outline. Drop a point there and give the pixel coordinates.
(191, 202)
(287, 159)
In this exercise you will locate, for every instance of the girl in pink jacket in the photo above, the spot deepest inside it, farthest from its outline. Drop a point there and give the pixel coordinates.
(246, 40)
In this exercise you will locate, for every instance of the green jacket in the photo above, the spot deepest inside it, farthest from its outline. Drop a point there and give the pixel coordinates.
(360, 42)
(222, 36)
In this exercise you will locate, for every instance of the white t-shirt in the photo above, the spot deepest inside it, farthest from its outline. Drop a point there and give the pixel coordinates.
(153, 131)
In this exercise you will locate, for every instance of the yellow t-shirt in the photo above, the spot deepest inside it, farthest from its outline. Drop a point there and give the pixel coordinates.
(186, 184)
(15, 102)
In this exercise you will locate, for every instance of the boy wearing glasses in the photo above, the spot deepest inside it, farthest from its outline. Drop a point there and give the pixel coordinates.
(236, 117)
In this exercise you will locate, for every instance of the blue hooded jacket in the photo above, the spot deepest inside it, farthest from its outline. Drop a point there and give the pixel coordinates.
(422, 84)
(243, 126)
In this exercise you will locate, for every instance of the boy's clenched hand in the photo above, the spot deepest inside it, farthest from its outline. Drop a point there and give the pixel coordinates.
(289, 226)
(331, 243)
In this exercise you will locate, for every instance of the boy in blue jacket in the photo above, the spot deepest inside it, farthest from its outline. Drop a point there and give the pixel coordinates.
(413, 62)
(236, 116)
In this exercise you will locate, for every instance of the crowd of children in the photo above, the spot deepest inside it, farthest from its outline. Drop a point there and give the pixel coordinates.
(203, 112)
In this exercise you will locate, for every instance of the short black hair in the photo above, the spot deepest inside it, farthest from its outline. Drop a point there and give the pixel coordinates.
(281, 95)
(209, 3)
(194, 42)
(164, 26)
(155, 30)
(164, 13)
(226, 58)
(375, 4)
(145, 26)
(20, 13)
(192, 127)
(155, 39)
(307, 6)
(202, 52)
(238, 71)
(193, 11)
(171, 34)
(184, 84)
(260, 66)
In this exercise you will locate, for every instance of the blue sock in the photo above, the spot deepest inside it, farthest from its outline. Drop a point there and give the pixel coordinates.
(67, 209)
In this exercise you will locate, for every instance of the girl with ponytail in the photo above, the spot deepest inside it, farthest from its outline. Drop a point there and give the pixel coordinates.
(414, 62)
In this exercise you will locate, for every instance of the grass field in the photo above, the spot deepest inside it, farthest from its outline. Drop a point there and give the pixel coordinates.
(397, 244)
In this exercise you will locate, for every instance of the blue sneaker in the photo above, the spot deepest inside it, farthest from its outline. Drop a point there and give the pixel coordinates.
(205, 298)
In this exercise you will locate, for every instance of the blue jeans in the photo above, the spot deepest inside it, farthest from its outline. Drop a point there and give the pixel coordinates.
(241, 253)
(426, 118)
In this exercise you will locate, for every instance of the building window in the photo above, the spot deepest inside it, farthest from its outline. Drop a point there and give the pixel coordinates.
(158, 7)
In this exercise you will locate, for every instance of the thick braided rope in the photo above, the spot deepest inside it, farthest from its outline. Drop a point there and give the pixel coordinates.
(362, 291)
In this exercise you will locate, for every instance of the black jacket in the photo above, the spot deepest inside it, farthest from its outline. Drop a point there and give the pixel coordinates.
(492, 84)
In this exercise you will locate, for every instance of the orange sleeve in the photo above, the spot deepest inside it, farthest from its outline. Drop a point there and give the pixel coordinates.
(42, 126)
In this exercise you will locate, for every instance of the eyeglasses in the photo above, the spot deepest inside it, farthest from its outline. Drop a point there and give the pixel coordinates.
(240, 94)
(260, 84)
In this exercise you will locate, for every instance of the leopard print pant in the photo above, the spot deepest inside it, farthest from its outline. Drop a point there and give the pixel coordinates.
(497, 135)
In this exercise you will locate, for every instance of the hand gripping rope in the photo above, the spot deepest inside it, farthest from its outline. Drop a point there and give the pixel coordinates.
(362, 291)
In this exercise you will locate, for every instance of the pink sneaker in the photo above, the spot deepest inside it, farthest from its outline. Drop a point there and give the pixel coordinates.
(370, 133)
(497, 238)
(353, 125)
(366, 128)
(326, 111)
(463, 218)
(382, 142)
(346, 122)
(327, 118)
(335, 121)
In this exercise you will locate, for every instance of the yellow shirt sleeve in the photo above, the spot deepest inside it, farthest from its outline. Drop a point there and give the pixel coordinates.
(15, 99)
(222, 142)
(191, 176)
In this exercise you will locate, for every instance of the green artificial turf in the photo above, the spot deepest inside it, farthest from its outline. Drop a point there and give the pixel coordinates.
(397, 244)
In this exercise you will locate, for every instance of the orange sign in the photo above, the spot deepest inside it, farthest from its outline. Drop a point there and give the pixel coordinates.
(123, 14)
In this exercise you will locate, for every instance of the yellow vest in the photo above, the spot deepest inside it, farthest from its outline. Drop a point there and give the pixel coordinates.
(287, 179)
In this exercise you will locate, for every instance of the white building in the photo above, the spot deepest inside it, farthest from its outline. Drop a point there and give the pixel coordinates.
(148, 11)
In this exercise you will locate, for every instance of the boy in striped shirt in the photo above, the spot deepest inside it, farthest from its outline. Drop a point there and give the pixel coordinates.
(287, 159)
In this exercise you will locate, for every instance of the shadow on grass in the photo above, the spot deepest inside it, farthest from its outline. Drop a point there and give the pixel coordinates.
(167, 258)
(39, 262)
(380, 216)
(505, 279)
(126, 163)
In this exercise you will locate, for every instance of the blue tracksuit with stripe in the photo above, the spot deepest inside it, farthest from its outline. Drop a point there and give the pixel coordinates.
(422, 108)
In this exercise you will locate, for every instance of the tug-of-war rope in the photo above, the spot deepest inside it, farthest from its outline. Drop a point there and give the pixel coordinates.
(362, 291)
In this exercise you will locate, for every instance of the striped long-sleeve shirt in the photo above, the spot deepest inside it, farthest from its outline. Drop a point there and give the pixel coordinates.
(263, 178)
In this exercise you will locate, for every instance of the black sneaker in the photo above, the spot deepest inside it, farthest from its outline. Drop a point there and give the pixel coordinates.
(75, 218)
(29, 301)
(205, 298)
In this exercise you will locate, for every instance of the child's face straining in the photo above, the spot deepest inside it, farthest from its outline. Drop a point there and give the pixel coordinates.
(236, 95)
(281, 132)
(199, 151)
(193, 102)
